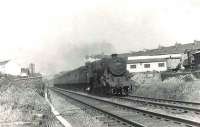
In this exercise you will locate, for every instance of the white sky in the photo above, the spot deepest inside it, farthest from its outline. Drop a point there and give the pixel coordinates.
(36, 31)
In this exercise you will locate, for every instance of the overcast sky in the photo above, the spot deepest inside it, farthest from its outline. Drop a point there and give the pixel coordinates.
(56, 34)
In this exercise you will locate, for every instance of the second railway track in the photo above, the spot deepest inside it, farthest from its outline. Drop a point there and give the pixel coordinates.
(129, 116)
(184, 107)
(168, 101)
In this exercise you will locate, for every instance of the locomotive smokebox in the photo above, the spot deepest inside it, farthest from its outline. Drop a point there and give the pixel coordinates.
(117, 65)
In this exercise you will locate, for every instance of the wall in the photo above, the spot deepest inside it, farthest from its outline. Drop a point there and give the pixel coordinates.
(173, 63)
(140, 67)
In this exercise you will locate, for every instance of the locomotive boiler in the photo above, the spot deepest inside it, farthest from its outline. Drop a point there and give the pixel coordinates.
(105, 76)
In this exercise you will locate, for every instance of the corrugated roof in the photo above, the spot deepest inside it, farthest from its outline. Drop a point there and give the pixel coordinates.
(146, 60)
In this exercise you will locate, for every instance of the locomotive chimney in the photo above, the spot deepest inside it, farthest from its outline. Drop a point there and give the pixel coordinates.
(114, 55)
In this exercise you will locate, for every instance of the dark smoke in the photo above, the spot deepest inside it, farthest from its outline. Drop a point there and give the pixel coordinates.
(68, 56)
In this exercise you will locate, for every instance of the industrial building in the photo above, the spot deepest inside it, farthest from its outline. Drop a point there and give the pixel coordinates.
(32, 69)
(28, 71)
(153, 63)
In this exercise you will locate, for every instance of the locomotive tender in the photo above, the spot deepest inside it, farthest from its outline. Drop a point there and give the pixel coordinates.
(105, 76)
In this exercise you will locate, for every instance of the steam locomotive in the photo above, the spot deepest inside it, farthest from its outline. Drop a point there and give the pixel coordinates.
(105, 76)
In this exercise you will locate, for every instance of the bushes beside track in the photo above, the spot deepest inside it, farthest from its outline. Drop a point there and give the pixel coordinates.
(21, 105)
(184, 87)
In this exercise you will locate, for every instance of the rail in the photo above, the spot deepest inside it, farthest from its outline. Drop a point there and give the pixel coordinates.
(135, 124)
(166, 100)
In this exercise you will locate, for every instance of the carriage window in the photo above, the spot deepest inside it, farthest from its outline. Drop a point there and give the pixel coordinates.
(161, 64)
(133, 66)
(146, 65)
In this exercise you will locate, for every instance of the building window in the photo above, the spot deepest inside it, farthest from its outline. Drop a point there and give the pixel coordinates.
(146, 65)
(161, 64)
(133, 66)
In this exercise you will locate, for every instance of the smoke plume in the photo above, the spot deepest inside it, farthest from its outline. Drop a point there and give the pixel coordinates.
(67, 56)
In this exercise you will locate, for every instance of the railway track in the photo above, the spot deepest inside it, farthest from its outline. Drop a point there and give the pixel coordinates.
(168, 101)
(123, 115)
(108, 118)
(179, 106)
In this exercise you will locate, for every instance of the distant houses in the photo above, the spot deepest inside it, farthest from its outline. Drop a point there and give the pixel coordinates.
(13, 68)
